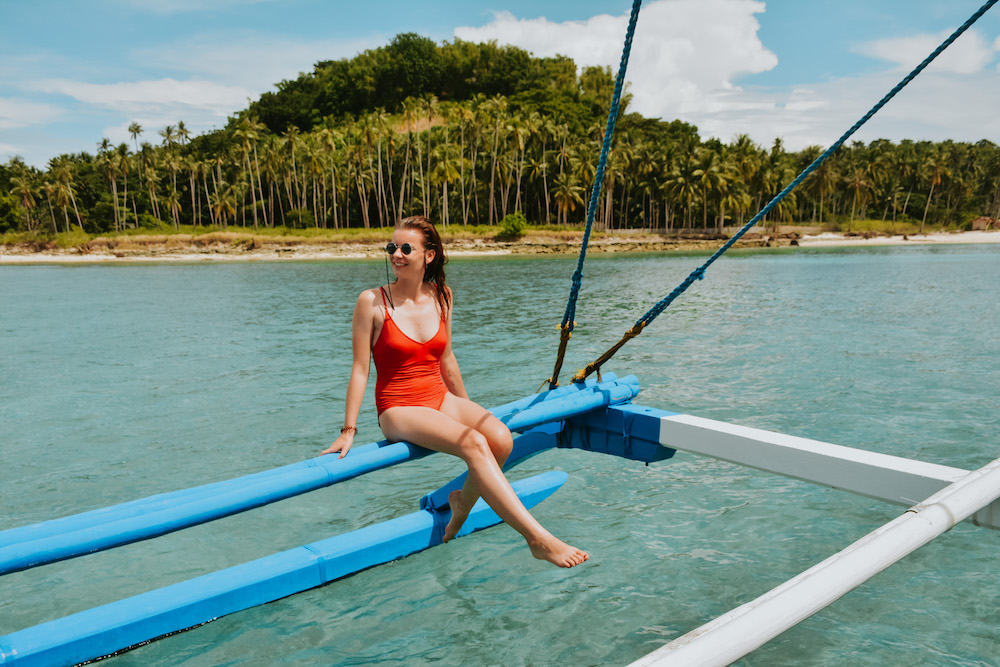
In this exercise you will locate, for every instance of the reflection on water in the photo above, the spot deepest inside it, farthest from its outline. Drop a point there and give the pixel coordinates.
(123, 381)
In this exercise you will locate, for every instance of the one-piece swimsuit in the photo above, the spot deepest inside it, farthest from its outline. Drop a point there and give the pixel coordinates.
(408, 372)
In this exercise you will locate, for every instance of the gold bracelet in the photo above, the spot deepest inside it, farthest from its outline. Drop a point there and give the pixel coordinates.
(353, 429)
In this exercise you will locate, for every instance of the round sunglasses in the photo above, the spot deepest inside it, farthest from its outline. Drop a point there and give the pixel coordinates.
(406, 248)
(391, 247)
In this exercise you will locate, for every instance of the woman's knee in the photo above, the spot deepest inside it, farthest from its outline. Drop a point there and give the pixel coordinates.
(474, 445)
(500, 439)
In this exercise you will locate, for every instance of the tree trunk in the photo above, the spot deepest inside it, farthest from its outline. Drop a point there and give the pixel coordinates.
(927, 206)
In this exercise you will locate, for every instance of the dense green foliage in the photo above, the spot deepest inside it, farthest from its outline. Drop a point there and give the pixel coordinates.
(469, 134)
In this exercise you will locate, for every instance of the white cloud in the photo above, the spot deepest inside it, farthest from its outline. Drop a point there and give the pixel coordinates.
(251, 60)
(969, 54)
(685, 55)
(202, 105)
(139, 96)
(936, 106)
(18, 113)
(211, 77)
(688, 54)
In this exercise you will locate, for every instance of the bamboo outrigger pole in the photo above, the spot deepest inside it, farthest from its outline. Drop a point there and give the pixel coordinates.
(750, 626)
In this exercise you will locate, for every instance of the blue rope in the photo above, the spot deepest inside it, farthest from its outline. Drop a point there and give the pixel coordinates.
(699, 273)
(570, 315)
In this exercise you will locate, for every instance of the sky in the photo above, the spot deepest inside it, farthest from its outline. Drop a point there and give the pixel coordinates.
(72, 73)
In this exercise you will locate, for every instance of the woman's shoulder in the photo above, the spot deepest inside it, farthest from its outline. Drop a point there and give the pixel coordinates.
(375, 294)
(370, 299)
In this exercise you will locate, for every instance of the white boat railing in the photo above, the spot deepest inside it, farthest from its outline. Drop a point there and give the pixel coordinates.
(746, 628)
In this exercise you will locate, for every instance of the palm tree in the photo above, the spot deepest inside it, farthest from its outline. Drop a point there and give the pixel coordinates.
(682, 184)
(366, 132)
(291, 137)
(464, 115)
(408, 124)
(537, 169)
(444, 173)
(567, 194)
(49, 189)
(584, 166)
(935, 171)
(190, 164)
(173, 164)
(64, 179)
(384, 137)
(430, 106)
(183, 134)
(328, 139)
(147, 158)
(223, 203)
(173, 202)
(247, 133)
(709, 176)
(135, 130)
(109, 166)
(122, 167)
(168, 136)
(497, 108)
(858, 181)
(21, 187)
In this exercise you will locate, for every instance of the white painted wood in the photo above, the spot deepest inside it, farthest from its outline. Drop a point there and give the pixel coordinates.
(880, 476)
(746, 628)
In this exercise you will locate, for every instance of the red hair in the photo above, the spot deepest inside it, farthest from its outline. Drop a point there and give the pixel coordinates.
(434, 271)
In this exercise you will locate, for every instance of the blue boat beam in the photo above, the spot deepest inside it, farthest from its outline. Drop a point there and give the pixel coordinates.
(127, 623)
(68, 537)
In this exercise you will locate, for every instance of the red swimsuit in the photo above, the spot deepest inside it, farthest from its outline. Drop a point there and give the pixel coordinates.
(408, 372)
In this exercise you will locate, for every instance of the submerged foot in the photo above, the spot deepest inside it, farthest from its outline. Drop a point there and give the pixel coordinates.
(557, 552)
(459, 513)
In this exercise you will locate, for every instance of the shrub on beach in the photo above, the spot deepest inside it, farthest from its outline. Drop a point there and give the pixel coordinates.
(300, 218)
(512, 225)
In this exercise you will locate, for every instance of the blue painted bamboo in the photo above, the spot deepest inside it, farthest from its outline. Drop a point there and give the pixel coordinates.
(119, 625)
(170, 499)
(89, 532)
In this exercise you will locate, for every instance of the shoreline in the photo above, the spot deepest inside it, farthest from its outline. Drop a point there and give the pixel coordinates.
(464, 247)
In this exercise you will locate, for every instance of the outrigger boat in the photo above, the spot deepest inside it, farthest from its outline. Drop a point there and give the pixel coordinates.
(597, 416)
(593, 416)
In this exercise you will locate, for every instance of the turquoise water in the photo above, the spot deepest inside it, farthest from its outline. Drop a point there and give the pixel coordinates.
(122, 381)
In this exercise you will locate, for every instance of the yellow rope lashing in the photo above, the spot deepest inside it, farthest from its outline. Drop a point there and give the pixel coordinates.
(566, 332)
(582, 374)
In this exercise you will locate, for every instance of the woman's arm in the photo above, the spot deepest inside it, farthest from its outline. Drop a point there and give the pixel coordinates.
(361, 342)
(450, 373)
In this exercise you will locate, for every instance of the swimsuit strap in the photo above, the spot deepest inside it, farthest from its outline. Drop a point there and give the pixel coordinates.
(384, 303)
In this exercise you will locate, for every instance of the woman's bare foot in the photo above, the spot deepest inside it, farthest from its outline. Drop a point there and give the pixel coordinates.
(557, 552)
(459, 513)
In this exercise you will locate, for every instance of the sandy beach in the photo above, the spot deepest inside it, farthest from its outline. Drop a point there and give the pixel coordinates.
(461, 247)
(833, 240)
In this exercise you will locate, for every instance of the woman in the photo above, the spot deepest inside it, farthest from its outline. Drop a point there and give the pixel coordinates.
(406, 327)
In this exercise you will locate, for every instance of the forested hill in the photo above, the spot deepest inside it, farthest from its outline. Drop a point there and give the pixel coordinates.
(470, 134)
(416, 67)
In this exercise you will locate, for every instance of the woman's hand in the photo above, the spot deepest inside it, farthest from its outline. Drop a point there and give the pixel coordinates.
(341, 444)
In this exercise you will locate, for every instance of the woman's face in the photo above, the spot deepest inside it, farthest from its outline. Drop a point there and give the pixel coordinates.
(413, 264)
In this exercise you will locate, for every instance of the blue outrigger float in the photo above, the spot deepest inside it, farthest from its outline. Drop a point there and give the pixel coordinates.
(596, 416)
(592, 416)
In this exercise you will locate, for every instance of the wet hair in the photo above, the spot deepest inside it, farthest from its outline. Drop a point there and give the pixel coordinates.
(434, 272)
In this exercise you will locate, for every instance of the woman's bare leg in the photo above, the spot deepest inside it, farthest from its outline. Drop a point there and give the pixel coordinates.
(441, 432)
(498, 437)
